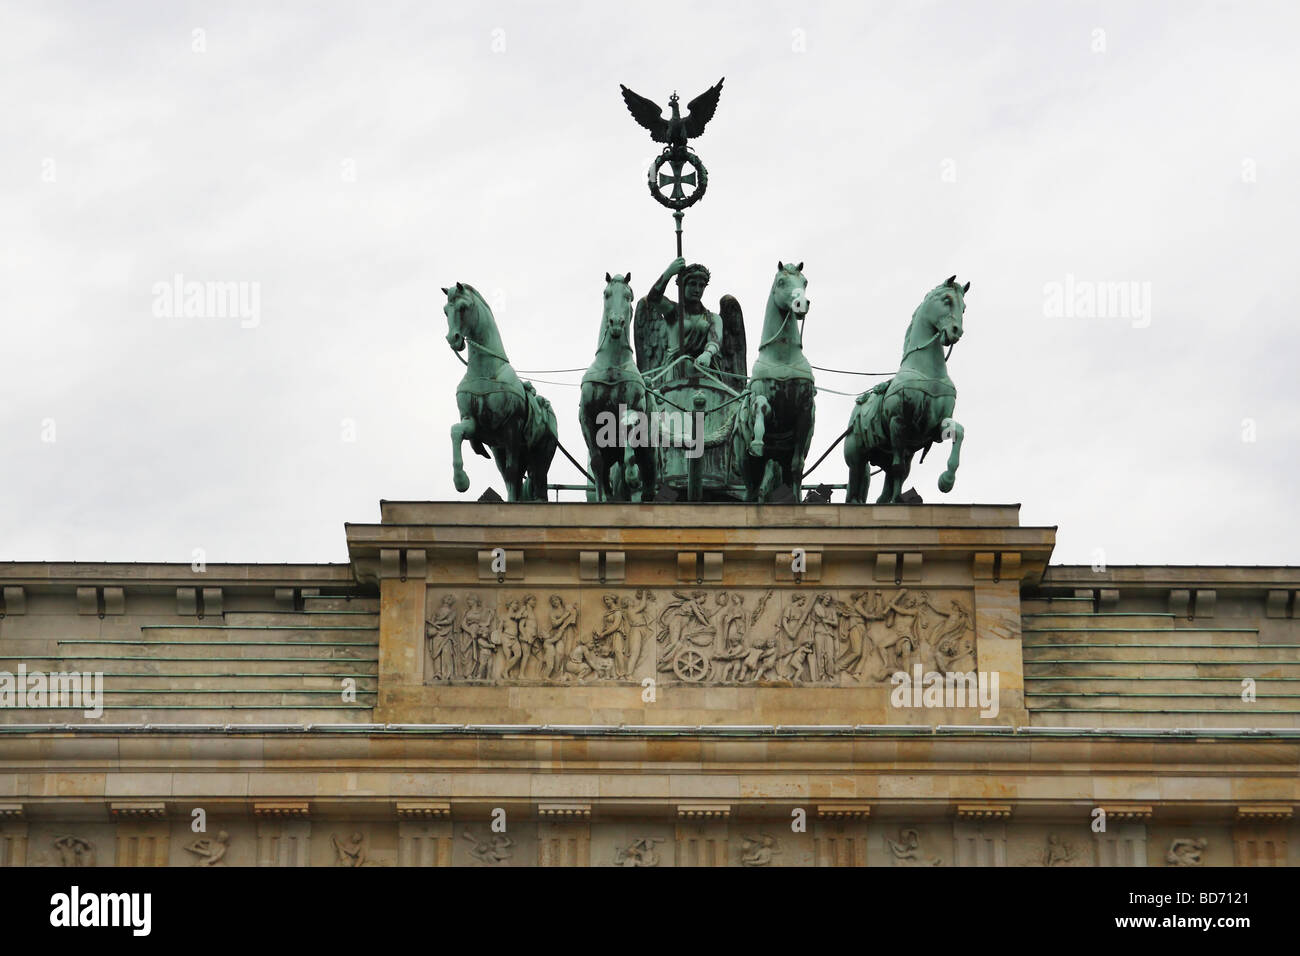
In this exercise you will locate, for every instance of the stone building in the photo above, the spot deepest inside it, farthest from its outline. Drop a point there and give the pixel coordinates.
(653, 685)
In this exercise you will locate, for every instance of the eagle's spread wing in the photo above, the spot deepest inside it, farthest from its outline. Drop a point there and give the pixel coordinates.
(648, 114)
(699, 110)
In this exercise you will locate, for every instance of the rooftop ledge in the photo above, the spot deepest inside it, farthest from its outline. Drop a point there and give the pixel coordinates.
(696, 515)
(660, 730)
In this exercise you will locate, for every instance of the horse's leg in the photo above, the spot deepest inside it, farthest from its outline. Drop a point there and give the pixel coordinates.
(509, 451)
(599, 472)
(462, 430)
(740, 436)
(887, 488)
(807, 421)
(854, 457)
(617, 480)
(645, 463)
(539, 465)
(902, 457)
(762, 407)
(951, 427)
(512, 473)
(771, 476)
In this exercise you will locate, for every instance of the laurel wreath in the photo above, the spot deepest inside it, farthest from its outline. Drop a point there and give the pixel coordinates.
(652, 180)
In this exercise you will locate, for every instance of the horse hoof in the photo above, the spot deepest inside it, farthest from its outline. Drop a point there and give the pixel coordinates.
(756, 449)
(461, 480)
(946, 481)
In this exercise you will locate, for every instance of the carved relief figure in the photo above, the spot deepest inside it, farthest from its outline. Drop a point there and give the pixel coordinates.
(687, 634)
(640, 852)
(796, 639)
(1058, 853)
(891, 613)
(586, 660)
(564, 625)
(760, 661)
(638, 623)
(496, 849)
(349, 852)
(728, 662)
(440, 637)
(758, 851)
(907, 851)
(924, 650)
(505, 642)
(74, 851)
(1184, 852)
(956, 649)
(475, 644)
(210, 852)
(825, 628)
(529, 639)
(613, 635)
(853, 636)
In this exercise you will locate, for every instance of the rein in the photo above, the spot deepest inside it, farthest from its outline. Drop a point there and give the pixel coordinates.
(924, 345)
(468, 341)
(777, 334)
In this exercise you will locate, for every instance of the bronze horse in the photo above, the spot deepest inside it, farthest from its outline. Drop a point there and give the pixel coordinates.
(614, 406)
(496, 408)
(911, 411)
(773, 426)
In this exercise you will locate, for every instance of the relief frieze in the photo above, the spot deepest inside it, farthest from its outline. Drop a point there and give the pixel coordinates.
(718, 636)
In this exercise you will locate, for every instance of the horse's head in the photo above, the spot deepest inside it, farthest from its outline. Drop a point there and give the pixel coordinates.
(788, 289)
(618, 307)
(460, 309)
(943, 309)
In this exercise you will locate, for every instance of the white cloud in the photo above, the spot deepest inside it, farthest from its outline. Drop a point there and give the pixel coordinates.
(519, 171)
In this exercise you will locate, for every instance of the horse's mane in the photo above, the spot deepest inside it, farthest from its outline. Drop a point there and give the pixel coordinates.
(479, 302)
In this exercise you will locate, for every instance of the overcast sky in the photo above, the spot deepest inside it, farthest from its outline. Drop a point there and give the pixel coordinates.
(350, 159)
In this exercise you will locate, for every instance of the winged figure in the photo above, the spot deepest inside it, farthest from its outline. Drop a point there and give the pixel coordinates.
(661, 336)
(676, 130)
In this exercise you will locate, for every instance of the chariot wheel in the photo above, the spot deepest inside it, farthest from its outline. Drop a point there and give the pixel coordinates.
(690, 665)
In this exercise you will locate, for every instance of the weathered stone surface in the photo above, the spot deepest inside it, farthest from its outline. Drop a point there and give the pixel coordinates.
(725, 757)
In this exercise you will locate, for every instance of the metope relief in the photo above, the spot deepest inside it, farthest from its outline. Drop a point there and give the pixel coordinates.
(696, 636)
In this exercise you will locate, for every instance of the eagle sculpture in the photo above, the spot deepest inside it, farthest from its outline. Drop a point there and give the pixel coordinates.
(677, 130)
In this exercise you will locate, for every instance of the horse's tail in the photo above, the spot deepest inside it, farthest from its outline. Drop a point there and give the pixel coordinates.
(864, 421)
(539, 421)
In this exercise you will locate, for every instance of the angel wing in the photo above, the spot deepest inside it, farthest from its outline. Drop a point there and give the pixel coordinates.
(733, 357)
(651, 116)
(650, 335)
(700, 109)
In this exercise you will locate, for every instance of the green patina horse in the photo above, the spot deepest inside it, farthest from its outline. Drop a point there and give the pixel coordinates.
(613, 409)
(773, 426)
(911, 411)
(496, 408)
